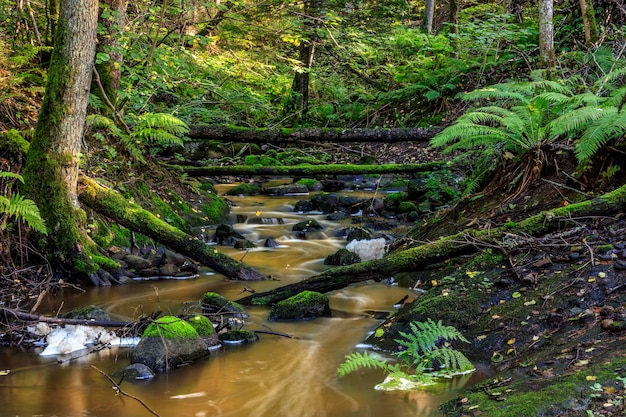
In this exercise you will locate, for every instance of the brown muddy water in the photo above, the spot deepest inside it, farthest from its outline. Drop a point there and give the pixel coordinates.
(274, 377)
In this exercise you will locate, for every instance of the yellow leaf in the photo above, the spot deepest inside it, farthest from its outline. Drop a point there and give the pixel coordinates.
(582, 362)
(510, 341)
(591, 377)
(530, 303)
(433, 282)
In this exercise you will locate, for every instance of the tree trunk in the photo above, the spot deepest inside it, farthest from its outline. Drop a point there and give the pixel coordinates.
(546, 33)
(111, 204)
(338, 135)
(313, 170)
(429, 13)
(113, 20)
(314, 11)
(52, 163)
(589, 22)
(464, 242)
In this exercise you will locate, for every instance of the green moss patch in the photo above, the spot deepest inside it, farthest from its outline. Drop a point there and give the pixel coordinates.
(170, 327)
(203, 325)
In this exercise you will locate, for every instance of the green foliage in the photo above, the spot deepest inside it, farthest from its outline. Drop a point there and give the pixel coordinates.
(425, 347)
(20, 208)
(170, 327)
(151, 131)
(358, 360)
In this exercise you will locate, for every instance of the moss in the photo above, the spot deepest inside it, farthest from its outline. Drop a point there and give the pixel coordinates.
(165, 212)
(239, 335)
(406, 207)
(308, 182)
(170, 327)
(104, 262)
(13, 141)
(216, 210)
(549, 396)
(203, 325)
(393, 200)
(244, 189)
(304, 305)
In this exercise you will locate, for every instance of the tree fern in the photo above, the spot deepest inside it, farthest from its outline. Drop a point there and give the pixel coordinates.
(357, 361)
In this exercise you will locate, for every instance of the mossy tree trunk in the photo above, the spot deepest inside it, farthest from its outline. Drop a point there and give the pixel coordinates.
(51, 169)
(589, 22)
(111, 204)
(467, 241)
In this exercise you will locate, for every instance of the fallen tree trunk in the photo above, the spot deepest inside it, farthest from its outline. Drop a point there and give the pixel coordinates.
(338, 135)
(20, 315)
(313, 170)
(111, 204)
(464, 242)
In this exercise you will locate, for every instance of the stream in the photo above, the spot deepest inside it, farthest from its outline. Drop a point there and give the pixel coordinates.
(274, 377)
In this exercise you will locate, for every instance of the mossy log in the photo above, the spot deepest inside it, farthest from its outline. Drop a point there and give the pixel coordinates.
(467, 241)
(113, 205)
(335, 135)
(313, 170)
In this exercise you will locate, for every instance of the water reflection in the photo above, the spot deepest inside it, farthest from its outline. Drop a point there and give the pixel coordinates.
(274, 377)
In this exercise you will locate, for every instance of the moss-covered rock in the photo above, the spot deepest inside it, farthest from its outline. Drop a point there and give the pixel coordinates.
(236, 336)
(303, 306)
(203, 325)
(214, 304)
(164, 354)
(170, 327)
(88, 313)
(307, 225)
(342, 257)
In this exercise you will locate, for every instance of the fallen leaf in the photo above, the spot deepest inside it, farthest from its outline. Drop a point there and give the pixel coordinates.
(582, 362)
(591, 377)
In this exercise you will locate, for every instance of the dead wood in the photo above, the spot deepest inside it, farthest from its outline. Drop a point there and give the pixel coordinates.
(128, 214)
(9, 313)
(313, 170)
(467, 241)
(336, 135)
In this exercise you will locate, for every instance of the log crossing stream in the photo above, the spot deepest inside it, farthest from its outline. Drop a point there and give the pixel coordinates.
(274, 377)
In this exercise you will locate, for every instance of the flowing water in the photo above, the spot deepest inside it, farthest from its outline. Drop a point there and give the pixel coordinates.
(274, 377)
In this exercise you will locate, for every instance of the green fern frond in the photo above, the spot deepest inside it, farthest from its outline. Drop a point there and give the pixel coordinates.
(103, 122)
(163, 121)
(358, 360)
(613, 75)
(451, 361)
(610, 125)
(7, 174)
(151, 135)
(467, 136)
(493, 93)
(23, 209)
(575, 121)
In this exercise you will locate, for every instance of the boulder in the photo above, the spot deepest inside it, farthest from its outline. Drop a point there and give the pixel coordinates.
(169, 342)
(342, 257)
(303, 306)
(214, 304)
(161, 354)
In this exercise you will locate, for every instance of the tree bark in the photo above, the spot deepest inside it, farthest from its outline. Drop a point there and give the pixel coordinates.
(111, 204)
(52, 163)
(546, 33)
(313, 170)
(589, 22)
(464, 242)
(314, 11)
(23, 316)
(338, 135)
(429, 13)
(109, 70)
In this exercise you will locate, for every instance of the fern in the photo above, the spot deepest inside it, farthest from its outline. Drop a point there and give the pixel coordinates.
(357, 361)
(423, 348)
(422, 343)
(23, 209)
(160, 128)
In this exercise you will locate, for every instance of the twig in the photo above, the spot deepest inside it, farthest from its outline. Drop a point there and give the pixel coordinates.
(119, 390)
